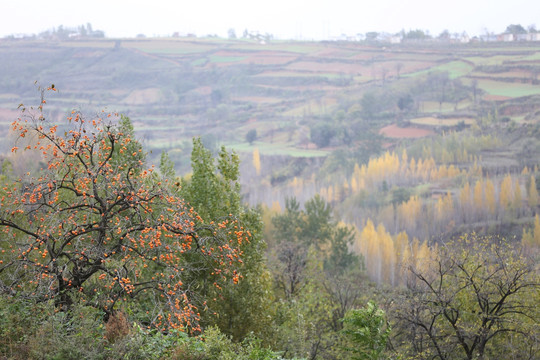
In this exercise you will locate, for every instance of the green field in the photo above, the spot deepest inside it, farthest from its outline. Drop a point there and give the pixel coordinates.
(277, 149)
(513, 90)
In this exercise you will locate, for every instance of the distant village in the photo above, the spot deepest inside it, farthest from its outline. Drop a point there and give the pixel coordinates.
(514, 32)
(62, 33)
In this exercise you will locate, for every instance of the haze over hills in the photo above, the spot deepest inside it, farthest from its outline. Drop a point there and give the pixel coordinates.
(305, 100)
(389, 177)
(301, 20)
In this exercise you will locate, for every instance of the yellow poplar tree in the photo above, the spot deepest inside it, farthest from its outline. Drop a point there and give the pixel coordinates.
(465, 194)
(527, 239)
(346, 187)
(354, 185)
(413, 256)
(404, 157)
(439, 209)
(448, 203)
(324, 194)
(388, 260)
(453, 171)
(478, 196)
(330, 193)
(409, 212)
(276, 207)
(257, 161)
(366, 244)
(443, 172)
(536, 231)
(423, 257)
(490, 196)
(401, 246)
(505, 195)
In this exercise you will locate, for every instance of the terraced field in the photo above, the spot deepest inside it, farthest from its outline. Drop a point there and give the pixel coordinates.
(176, 88)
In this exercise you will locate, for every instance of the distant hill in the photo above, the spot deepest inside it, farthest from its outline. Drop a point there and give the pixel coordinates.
(304, 99)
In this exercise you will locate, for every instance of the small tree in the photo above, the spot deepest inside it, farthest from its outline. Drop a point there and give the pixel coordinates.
(251, 136)
(515, 29)
(95, 226)
(368, 331)
(321, 134)
(214, 191)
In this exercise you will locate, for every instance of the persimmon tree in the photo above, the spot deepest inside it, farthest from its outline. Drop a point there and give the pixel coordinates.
(95, 226)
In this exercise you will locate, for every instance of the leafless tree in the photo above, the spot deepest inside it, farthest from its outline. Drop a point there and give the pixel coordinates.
(476, 299)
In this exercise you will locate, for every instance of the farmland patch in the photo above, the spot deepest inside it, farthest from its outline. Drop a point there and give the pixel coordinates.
(512, 90)
(396, 132)
(145, 96)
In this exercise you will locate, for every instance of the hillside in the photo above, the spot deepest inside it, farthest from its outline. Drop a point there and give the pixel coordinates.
(177, 88)
(318, 108)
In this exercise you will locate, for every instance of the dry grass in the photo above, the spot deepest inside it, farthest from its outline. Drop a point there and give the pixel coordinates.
(117, 327)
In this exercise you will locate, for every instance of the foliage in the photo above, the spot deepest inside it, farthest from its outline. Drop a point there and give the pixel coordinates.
(251, 136)
(95, 227)
(214, 191)
(476, 299)
(405, 103)
(377, 105)
(416, 35)
(39, 332)
(317, 278)
(321, 134)
(17, 323)
(213, 188)
(297, 230)
(368, 331)
(515, 29)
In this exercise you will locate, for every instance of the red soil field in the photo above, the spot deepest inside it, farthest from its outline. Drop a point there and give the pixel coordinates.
(393, 131)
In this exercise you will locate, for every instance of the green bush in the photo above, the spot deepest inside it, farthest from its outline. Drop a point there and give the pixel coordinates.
(38, 331)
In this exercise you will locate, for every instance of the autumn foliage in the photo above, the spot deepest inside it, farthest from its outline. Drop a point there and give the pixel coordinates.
(94, 226)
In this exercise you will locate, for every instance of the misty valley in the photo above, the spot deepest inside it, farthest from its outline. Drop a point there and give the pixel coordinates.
(254, 198)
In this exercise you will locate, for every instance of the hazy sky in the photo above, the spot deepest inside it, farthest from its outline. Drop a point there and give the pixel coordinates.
(307, 19)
